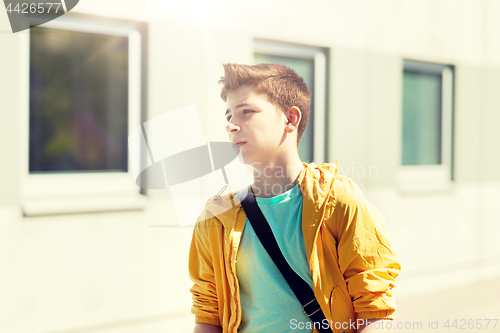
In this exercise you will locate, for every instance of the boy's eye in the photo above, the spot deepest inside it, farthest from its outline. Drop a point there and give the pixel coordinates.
(244, 111)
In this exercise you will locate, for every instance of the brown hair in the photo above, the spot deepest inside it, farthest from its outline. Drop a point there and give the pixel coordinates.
(282, 85)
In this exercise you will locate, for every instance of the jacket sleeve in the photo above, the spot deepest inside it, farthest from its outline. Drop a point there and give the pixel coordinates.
(366, 260)
(201, 271)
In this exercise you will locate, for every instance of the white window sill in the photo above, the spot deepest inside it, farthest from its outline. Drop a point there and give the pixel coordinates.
(84, 204)
(423, 178)
(79, 193)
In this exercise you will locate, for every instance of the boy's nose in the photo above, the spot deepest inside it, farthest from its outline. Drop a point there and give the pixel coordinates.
(232, 127)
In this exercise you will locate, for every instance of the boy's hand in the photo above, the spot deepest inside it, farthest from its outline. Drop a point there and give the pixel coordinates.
(207, 328)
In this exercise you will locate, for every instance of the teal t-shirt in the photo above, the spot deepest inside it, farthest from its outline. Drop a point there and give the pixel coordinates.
(268, 303)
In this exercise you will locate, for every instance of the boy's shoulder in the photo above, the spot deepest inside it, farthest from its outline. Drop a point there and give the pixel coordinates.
(219, 207)
(344, 185)
(351, 203)
(324, 181)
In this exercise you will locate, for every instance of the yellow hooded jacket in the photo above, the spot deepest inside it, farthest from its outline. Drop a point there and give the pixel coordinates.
(352, 264)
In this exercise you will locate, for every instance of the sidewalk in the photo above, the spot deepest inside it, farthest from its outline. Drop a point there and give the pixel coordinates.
(469, 306)
(475, 303)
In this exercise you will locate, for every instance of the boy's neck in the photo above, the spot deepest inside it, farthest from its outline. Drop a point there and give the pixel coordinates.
(274, 178)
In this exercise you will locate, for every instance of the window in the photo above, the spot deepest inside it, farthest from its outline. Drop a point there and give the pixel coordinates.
(311, 64)
(427, 125)
(83, 95)
(78, 101)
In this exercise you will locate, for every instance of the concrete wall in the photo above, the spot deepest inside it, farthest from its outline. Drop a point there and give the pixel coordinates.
(113, 272)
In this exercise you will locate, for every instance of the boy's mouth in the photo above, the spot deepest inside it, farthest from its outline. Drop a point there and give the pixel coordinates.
(239, 143)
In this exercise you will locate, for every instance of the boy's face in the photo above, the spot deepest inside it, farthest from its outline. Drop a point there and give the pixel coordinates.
(255, 125)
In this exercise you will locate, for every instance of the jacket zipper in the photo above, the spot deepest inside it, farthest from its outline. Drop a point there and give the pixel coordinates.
(232, 262)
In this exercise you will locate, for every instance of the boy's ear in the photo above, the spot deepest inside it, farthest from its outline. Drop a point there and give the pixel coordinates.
(293, 117)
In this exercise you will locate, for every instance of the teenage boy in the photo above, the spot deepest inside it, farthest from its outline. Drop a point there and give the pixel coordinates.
(330, 235)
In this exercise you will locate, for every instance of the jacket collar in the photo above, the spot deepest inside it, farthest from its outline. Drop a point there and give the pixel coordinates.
(315, 184)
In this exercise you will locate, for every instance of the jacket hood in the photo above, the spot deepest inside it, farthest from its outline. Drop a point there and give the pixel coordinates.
(315, 181)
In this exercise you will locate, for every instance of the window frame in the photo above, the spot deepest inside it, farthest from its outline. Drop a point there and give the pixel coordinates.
(320, 57)
(420, 178)
(57, 193)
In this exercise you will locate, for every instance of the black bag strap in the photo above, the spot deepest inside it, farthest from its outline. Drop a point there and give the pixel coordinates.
(300, 288)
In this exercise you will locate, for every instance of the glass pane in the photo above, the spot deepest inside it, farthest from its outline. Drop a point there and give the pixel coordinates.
(305, 68)
(421, 118)
(78, 101)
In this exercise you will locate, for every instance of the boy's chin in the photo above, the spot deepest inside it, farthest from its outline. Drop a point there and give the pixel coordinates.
(254, 159)
(247, 159)
(243, 158)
